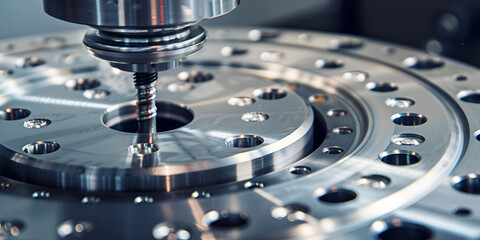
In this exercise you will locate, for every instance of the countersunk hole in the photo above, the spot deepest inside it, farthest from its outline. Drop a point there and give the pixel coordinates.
(333, 150)
(96, 94)
(300, 170)
(409, 119)
(14, 114)
(342, 130)
(41, 147)
(374, 181)
(336, 113)
(338, 195)
(328, 63)
(400, 157)
(423, 62)
(244, 141)
(469, 183)
(399, 102)
(381, 86)
(32, 62)
(37, 123)
(170, 116)
(254, 117)
(225, 219)
(293, 212)
(471, 96)
(460, 77)
(143, 148)
(269, 93)
(81, 84)
(408, 139)
(477, 135)
(253, 184)
(462, 211)
(195, 76)
(404, 230)
(356, 76)
(240, 101)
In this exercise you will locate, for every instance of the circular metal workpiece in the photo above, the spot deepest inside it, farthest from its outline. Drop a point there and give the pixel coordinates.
(308, 135)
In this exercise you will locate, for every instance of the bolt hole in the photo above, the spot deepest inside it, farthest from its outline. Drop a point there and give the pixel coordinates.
(400, 157)
(342, 130)
(254, 117)
(468, 184)
(317, 98)
(381, 86)
(399, 102)
(293, 212)
(356, 76)
(333, 150)
(404, 230)
(410, 139)
(81, 84)
(252, 185)
(462, 211)
(300, 170)
(170, 116)
(269, 93)
(338, 195)
(336, 113)
(244, 141)
(195, 76)
(328, 63)
(240, 101)
(409, 119)
(32, 62)
(37, 123)
(471, 96)
(460, 77)
(41, 147)
(224, 219)
(14, 114)
(374, 181)
(96, 94)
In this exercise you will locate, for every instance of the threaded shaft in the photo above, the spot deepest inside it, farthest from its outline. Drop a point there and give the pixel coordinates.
(146, 95)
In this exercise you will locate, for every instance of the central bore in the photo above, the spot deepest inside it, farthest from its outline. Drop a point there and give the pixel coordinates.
(170, 116)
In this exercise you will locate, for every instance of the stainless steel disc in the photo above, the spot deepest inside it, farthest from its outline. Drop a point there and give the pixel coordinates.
(264, 134)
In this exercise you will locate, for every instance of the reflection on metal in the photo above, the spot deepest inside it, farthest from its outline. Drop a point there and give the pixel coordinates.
(331, 138)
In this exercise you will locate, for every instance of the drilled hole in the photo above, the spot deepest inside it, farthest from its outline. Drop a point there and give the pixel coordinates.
(460, 77)
(409, 119)
(244, 141)
(399, 102)
(342, 130)
(81, 84)
(14, 114)
(468, 184)
(41, 147)
(328, 63)
(333, 150)
(381, 86)
(143, 148)
(254, 117)
(269, 93)
(471, 96)
(241, 101)
(253, 184)
(423, 62)
(317, 98)
(374, 181)
(400, 157)
(336, 113)
(225, 219)
(292, 212)
(356, 76)
(477, 135)
(170, 116)
(338, 195)
(402, 231)
(96, 94)
(300, 170)
(410, 139)
(462, 211)
(229, 51)
(32, 62)
(37, 123)
(195, 76)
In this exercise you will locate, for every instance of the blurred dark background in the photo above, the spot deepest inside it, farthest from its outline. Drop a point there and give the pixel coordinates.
(446, 27)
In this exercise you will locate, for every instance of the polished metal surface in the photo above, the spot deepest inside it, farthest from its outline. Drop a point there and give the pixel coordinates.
(266, 134)
(137, 14)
